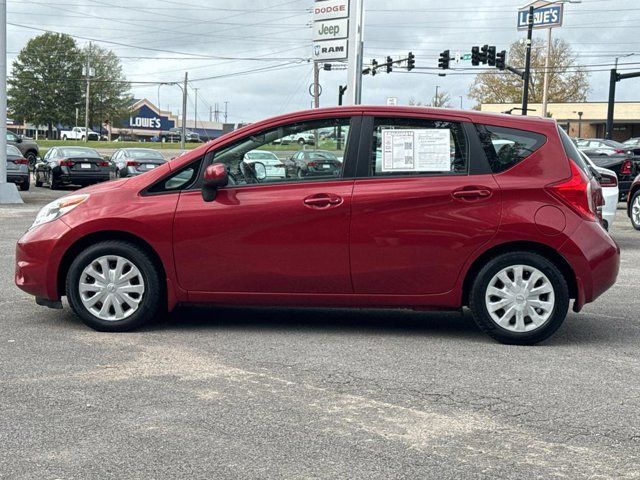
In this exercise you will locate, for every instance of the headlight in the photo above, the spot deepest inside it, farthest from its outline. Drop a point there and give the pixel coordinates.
(57, 208)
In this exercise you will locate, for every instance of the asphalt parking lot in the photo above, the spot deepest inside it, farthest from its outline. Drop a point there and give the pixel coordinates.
(273, 393)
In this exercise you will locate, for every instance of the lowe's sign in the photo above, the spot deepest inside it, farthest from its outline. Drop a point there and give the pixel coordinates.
(545, 16)
(146, 118)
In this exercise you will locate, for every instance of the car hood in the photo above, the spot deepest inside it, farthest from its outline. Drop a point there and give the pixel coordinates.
(104, 186)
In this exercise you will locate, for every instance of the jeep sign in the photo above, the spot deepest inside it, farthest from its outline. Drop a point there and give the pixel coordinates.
(331, 29)
(330, 50)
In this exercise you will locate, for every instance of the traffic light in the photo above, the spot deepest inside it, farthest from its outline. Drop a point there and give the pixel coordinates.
(411, 61)
(443, 61)
(501, 60)
(491, 56)
(374, 66)
(389, 64)
(475, 56)
(483, 54)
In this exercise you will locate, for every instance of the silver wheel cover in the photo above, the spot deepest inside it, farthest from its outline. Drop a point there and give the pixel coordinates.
(111, 288)
(520, 298)
(635, 211)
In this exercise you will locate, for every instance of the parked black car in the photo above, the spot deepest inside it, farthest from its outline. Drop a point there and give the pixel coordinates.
(17, 168)
(72, 166)
(312, 163)
(134, 161)
(626, 166)
(27, 146)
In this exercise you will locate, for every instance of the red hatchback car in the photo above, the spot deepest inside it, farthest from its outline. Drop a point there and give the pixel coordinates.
(429, 209)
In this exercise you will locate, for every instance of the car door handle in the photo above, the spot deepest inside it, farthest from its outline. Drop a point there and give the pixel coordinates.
(323, 200)
(472, 193)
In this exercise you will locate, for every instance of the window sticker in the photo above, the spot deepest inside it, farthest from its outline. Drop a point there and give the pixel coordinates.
(416, 150)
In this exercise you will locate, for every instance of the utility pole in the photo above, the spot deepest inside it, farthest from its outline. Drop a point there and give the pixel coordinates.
(354, 70)
(435, 99)
(527, 63)
(316, 85)
(226, 103)
(195, 113)
(184, 111)
(86, 99)
(8, 191)
(545, 85)
(210, 113)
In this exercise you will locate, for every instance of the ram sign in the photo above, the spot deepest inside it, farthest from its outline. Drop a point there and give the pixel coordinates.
(545, 15)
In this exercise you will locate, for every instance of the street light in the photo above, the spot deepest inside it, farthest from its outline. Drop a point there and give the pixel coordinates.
(579, 123)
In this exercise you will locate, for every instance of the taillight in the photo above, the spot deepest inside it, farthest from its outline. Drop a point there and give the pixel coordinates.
(131, 163)
(312, 164)
(619, 150)
(577, 193)
(626, 168)
(21, 161)
(103, 164)
(607, 180)
(66, 163)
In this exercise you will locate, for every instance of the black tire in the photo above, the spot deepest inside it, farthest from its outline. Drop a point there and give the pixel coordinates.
(299, 173)
(495, 265)
(634, 198)
(64, 137)
(301, 141)
(37, 178)
(25, 186)
(152, 301)
(32, 158)
(53, 185)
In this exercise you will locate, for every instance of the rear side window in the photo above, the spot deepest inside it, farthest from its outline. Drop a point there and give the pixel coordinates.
(506, 147)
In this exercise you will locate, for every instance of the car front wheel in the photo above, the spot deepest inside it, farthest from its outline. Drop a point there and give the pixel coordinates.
(634, 210)
(114, 286)
(519, 298)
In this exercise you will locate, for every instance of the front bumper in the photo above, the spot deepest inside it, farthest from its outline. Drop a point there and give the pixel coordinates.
(38, 256)
(595, 260)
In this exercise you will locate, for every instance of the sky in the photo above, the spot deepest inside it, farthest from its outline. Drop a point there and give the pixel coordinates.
(254, 54)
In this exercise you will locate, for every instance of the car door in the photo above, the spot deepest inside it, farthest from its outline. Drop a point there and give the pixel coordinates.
(424, 201)
(275, 236)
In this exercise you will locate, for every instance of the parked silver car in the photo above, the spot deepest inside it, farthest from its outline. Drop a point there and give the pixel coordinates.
(17, 168)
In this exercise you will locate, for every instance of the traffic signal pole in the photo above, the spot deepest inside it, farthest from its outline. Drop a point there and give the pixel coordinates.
(8, 191)
(527, 63)
(614, 78)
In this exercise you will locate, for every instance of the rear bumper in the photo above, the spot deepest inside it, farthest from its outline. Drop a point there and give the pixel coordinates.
(624, 186)
(595, 259)
(19, 178)
(81, 178)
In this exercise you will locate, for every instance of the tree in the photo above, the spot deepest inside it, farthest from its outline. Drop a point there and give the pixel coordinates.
(109, 97)
(45, 86)
(567, 81)
(441, 99)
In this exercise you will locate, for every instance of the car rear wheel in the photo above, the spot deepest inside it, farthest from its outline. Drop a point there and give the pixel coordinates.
(634, 210)
(519, 298)
(53, 184)
(114, 286)
(25, 186)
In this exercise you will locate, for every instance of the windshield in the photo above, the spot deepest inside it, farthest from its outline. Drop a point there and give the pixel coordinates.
(79, 152)
(614, 144)
(261, 156)
(144, 153)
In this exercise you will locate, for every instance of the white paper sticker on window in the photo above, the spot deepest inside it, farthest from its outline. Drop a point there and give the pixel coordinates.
(416, 150)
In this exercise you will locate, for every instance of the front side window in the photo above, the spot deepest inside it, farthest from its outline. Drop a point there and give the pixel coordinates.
(506, 147)
(408, 146)
(305, 151)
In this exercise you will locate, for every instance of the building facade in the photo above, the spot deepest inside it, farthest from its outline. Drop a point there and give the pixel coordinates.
(583, 119)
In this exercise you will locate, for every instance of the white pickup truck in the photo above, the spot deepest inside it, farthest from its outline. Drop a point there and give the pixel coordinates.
(79, 133)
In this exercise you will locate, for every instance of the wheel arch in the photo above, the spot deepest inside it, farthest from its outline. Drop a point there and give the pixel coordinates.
(524, 246)
(100, 236)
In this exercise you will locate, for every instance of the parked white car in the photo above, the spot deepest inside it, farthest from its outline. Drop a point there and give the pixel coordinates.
(273, 165)
(610, 191)
(79, 133)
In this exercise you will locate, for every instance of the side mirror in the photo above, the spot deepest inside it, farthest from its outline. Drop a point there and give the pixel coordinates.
(215, 177)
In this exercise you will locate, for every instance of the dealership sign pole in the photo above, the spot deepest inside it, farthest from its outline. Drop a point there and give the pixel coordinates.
(8, 191)
(332, 28)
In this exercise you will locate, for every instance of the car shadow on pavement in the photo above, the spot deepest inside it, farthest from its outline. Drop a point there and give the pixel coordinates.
(322, 320)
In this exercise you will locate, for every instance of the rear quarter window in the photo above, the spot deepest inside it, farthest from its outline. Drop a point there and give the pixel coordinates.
(506, 147)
